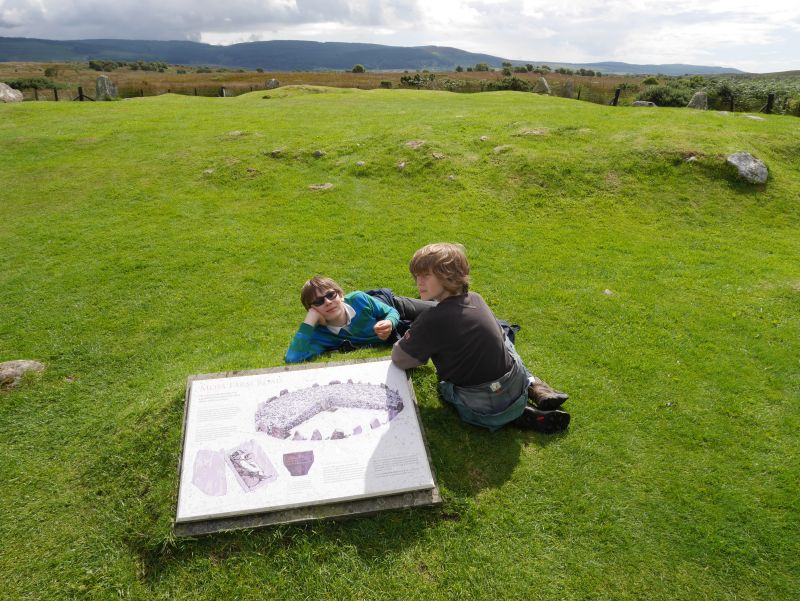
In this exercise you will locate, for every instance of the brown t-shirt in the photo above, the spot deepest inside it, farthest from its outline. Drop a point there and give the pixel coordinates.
(462, 338)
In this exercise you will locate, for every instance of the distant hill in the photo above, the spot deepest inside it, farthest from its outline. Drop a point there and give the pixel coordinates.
(289, 55)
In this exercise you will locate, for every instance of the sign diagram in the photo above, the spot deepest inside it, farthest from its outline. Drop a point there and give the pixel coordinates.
(283, 445)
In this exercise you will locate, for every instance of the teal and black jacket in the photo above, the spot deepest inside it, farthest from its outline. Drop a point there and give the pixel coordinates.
(310, 342)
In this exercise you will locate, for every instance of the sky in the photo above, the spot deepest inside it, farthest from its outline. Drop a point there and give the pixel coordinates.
(753, 36)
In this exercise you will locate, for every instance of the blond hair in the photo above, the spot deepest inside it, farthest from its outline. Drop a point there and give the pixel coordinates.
(316, 287)
(448, 262)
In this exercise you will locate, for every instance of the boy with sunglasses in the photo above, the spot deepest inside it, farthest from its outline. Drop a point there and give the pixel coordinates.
(335, 320)
(479, 369)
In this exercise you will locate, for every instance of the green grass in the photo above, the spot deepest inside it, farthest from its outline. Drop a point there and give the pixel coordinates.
(126, 267)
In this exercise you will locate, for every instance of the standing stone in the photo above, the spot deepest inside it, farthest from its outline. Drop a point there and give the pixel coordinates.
(749, 167)
(9, 94)
(698, 101)
(272, 84)
(11, 372)
(541, 87)
(105, 88)
(568, 89)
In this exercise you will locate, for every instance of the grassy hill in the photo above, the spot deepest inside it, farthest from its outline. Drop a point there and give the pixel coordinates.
(149, 239)
(289, 55)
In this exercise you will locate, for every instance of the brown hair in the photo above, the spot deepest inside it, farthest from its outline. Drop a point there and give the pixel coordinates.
(316, 287)
(446, 261)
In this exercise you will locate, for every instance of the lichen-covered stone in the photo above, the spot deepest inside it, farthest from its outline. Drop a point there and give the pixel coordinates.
(542, 87)
(749, 167)
(699, 101)
(11, 372)
(9, 94)
(104, 88)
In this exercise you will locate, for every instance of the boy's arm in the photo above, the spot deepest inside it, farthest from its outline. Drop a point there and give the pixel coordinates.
(383, 311)
(402, 359)
(305, 345)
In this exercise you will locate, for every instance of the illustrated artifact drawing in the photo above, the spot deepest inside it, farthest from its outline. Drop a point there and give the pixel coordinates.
(278, 415)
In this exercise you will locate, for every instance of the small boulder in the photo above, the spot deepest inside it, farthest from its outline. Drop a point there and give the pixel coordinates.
(276, 153)
(9, 94)
(272, 84)
(699, 101)
(104, 88)
(643, 103)
(317, 187)
(401, 165)
(541, 87)
(319, 154)
(438, 156)
(360, 163)
(483, 138)
(414, 144)
(749, 167)
(755, 117)
(11, 372)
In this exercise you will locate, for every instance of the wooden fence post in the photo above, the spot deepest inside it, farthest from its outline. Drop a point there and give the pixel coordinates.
(222, 92)
(55, 94)
(731, 102)
(770, 102)
(616, 97)
(35, 94)
(579, 94)
(141, 93)
(195, 91)
(80, 93)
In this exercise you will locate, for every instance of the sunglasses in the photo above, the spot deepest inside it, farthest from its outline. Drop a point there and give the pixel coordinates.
(320, 300)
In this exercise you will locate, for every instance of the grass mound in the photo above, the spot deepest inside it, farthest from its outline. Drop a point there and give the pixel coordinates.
(153, 238)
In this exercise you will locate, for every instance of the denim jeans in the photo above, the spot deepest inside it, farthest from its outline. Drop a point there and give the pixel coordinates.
(492, 404)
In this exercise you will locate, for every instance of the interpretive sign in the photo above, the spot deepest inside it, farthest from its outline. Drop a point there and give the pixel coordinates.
(292, 444)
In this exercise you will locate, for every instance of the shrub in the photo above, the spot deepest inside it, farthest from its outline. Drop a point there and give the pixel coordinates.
(386, 84)
(259, 70)
(506, 72)
(481, 67)
(650, 81)
(40, 83)
(666, 95)
(358, 68)
(529, 67)
(459, 69)
(51, 72)
(510, 83)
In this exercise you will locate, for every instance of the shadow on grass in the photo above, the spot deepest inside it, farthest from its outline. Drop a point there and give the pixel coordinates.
(466, 461)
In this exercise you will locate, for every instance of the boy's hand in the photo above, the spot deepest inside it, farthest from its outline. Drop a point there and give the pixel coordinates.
(314, 318)
(383, 329)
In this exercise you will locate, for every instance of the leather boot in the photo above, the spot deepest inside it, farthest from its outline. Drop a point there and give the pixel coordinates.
(544, 397)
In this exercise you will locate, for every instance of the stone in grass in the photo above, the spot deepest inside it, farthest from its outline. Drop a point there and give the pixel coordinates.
(104, 88)
(608, 292)
(317, 187)
(401, 165)
(501, 149)
(541, 87)
(319, 153)
(276, 153)
(9, 94)
(11, 372)
(755, 117)
(483, 138)
(208, 171)
(438, 156)
(698, 101)
(414, 144)
(643, 103)
(235, 133)
(749, 167)
(360, 163)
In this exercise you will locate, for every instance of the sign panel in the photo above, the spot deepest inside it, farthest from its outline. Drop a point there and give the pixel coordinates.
(275, 440)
